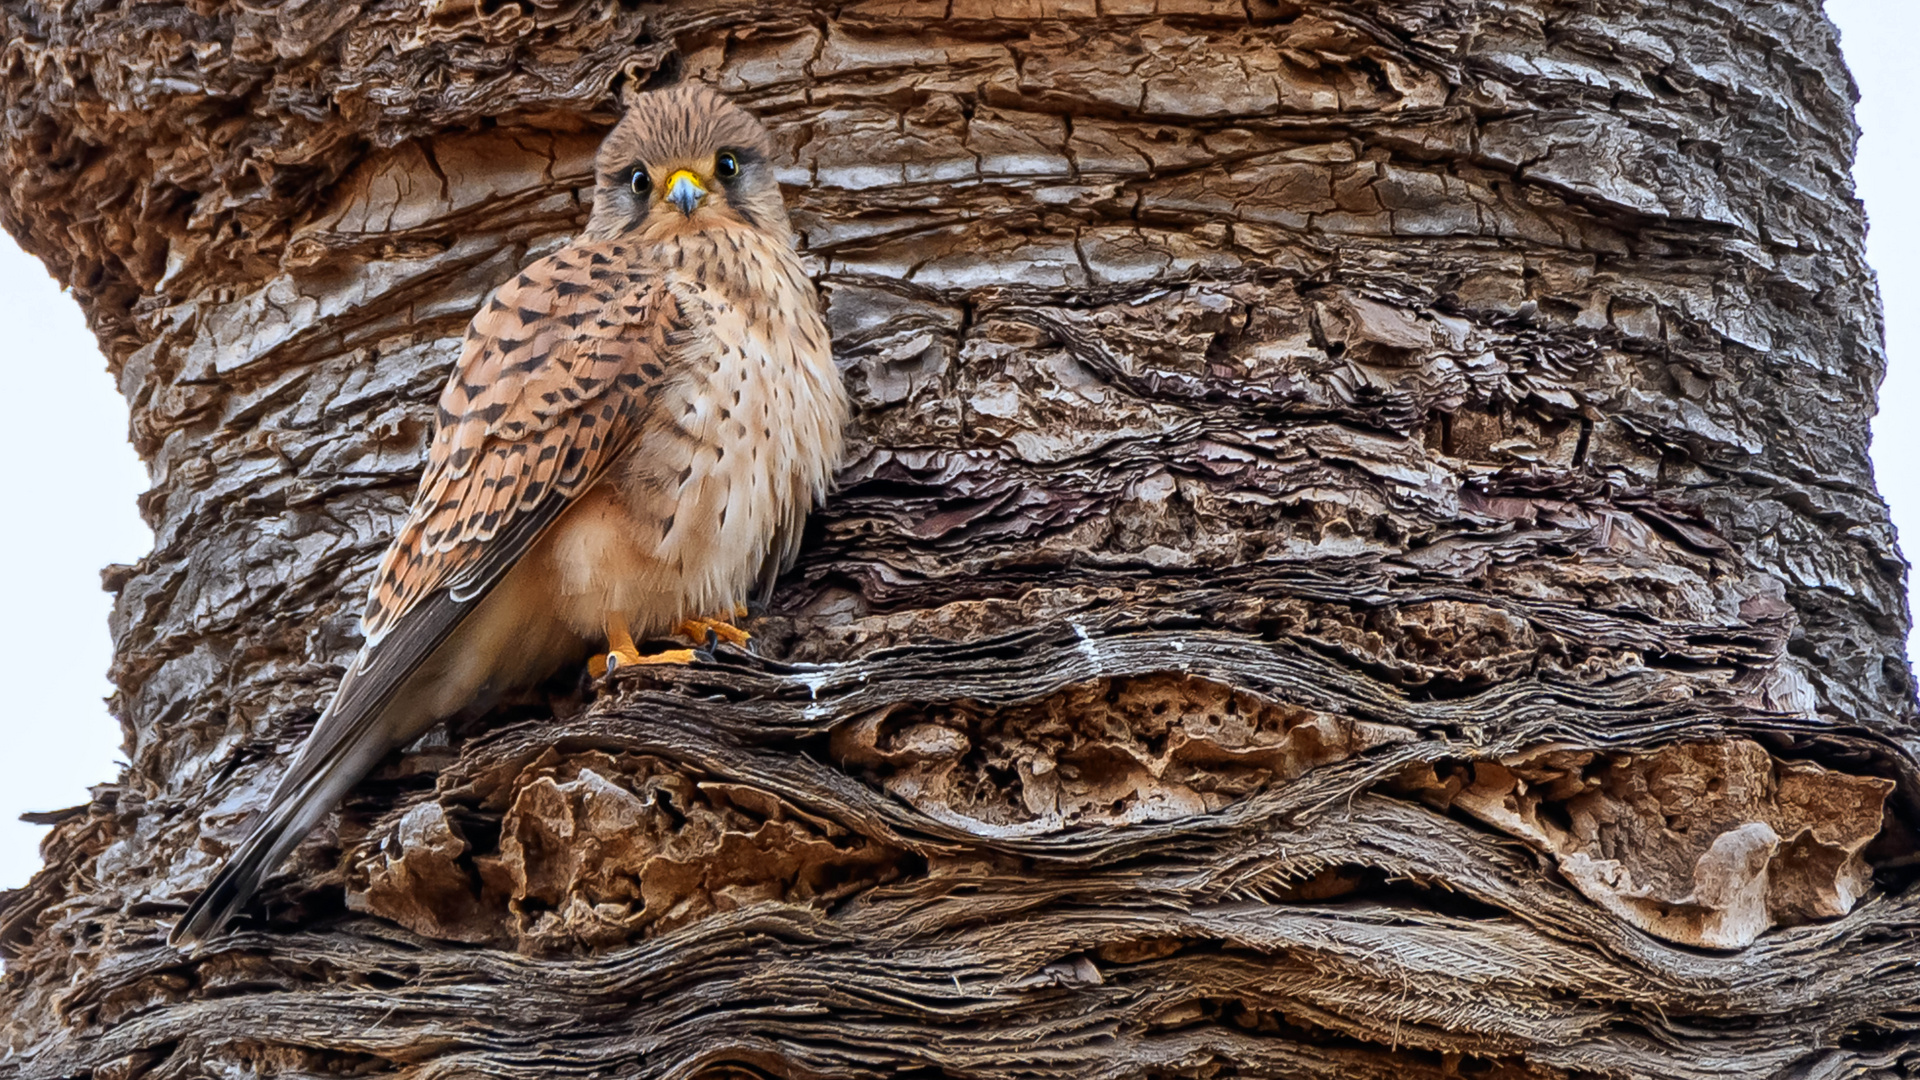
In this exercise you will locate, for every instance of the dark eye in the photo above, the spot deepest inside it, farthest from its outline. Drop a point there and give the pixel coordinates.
(640, 181)
(727, 165)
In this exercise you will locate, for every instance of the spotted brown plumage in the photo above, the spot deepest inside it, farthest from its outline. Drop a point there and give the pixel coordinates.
(632, 436)
(552, 385)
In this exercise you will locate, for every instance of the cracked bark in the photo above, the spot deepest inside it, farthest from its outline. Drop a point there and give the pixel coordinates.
(1359, 558)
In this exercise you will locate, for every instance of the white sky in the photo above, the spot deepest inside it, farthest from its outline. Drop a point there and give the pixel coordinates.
(57, 736)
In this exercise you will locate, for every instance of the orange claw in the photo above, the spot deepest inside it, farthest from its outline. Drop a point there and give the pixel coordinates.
(621, 651)
(720, 626)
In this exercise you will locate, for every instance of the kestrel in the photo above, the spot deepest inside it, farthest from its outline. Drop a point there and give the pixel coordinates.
(631, 439)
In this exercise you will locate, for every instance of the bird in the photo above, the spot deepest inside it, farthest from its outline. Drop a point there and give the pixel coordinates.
(628, 445)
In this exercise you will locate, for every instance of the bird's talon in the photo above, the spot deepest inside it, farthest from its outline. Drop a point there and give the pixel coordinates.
(714, 629)
(614, 660)
(670, 656)
(600, 665)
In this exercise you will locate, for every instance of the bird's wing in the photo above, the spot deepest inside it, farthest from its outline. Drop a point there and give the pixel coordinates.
(558, 373)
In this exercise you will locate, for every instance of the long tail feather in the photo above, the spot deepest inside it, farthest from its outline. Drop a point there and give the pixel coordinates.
(304, 797)
(236, 883)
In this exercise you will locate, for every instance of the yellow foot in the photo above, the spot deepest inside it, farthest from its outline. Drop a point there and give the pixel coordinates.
(622, 653)
(602, 663)
(723, 630)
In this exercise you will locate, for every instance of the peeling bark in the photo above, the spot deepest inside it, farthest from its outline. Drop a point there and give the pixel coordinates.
(1358, 560)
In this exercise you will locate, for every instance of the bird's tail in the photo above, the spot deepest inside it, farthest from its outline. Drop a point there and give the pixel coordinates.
(236, 883)
(303, 798)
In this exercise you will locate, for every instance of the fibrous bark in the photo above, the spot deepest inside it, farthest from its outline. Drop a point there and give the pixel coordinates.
(1359, 557)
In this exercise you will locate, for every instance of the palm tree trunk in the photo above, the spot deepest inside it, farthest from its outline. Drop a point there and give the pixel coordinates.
(1360, 558)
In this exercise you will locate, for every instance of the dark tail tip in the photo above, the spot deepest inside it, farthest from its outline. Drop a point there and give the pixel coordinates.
(219, 902)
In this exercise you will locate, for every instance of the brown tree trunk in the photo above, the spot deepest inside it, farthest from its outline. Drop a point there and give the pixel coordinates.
(1359, 558)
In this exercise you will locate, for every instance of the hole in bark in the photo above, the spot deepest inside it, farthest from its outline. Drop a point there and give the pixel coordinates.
(1705, 843)
(671, 70)
(1446, 647)
(1142, 748)
(1658, 83)
(1555, 815)
(588, 849)
(1895, 671)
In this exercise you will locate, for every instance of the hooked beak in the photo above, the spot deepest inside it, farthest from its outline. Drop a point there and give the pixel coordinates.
(684, 191)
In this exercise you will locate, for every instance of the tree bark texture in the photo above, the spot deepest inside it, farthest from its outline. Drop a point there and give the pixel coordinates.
(1359, 557)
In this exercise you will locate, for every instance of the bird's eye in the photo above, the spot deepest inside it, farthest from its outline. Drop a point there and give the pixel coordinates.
(640, 181)
(727, 165)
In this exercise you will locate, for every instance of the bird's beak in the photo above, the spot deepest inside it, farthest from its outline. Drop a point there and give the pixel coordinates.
(684, 191)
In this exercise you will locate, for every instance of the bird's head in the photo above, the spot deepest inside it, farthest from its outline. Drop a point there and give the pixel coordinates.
(684, 159)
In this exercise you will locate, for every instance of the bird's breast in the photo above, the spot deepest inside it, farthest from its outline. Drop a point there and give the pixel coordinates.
(743, 445)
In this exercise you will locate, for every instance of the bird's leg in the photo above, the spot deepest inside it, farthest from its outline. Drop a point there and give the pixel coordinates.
(621, 650)
(721, 626)
(620, 647)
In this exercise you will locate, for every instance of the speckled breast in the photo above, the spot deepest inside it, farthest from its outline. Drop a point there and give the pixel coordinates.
(757, 419)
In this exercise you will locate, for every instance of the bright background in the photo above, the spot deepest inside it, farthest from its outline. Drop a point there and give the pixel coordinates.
(75, 478)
